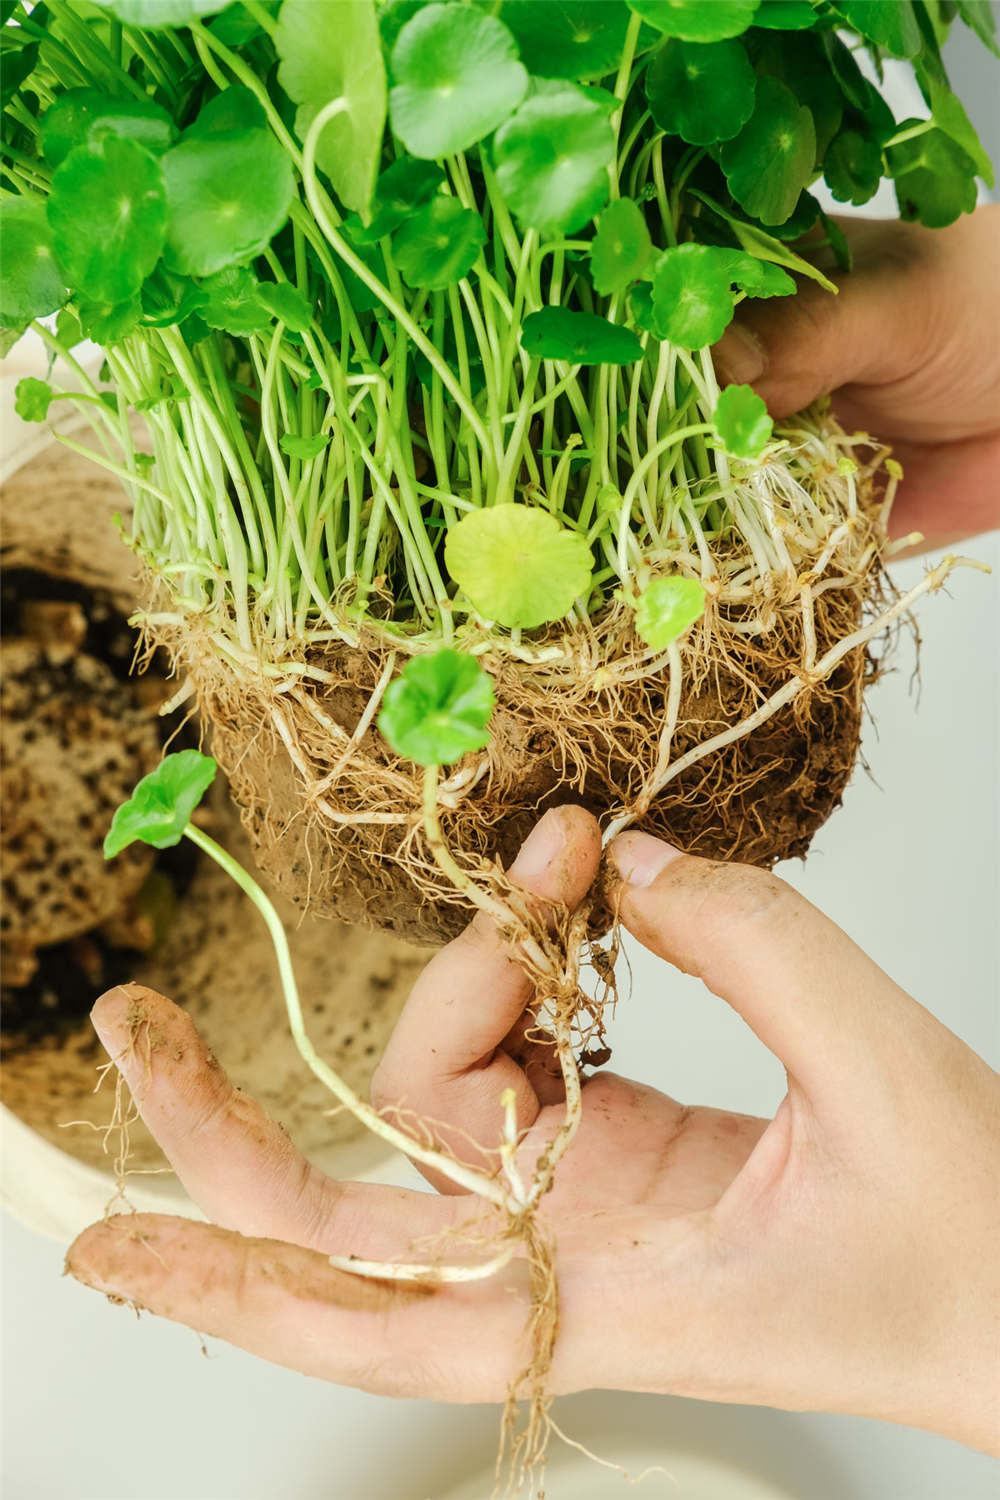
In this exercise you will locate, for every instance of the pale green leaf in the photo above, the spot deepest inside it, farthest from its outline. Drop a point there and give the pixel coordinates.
(518, 565)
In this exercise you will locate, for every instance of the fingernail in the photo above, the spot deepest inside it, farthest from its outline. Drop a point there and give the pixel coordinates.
(739, 356)
(544, 843)
(640, 858)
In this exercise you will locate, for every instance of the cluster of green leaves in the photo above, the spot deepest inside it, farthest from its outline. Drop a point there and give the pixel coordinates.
(524, 200)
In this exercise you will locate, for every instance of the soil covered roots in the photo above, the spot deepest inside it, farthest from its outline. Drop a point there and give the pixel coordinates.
(335, 817)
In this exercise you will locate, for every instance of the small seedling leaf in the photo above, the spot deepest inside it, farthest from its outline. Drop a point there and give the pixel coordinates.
(304, 447)
(772, 159)
(621, 247)
(568, 38)
(438, 244)
(697, 20)
(692, 295)
(935, 180)
(402, 187)
(80, 115)
(231, 302)
(666, 608)
(167, 299)
(552, 159)
(32, 399)
(458, 77)
(33, 285)
(702, 92)
(160, 808)
(287, 304)
(438, 709)
(950, 116)
(759, 278)
(518, 565)
(108, 215)
(580, 338)
(332, 52)
(742, 422)
(107, 323)
(852, 167)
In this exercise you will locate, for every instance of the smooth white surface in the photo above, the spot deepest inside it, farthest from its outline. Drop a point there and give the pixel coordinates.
(100, 1406)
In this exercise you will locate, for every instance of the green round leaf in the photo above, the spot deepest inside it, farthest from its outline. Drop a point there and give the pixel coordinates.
(287, 304)
(108, 323)
(773, 157)
(230, 301)
(666, 608)
(950, 116)
(79, 115)
(167, 300)
(401, 188)
(703, 93)
(852, 167)
(438, 709)
(32, 399)
(227, 196)
(621, 247)
(332, 52)
(233, 111)
(692, 297)
(552, 160)
(742, 422)
(457, 78)
(31, 282)
(154, 15)
(439, 244)
(800, 61)
(579, 338)
(107, 211)
(759, 278)
(697, 20)
(892, 25)
(517, 565)
(160, 808)
(935, 180)
(568, 38)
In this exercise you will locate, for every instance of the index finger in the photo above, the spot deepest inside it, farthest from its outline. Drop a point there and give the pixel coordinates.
(444, 1059)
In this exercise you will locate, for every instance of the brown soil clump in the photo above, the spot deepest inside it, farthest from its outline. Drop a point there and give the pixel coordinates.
(334, 816)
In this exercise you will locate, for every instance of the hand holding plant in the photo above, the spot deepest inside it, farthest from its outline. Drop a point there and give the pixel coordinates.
(909, 349)
(791, 1262)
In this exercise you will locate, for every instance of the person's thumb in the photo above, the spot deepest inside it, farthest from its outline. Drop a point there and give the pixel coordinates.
(794, 349)
(811, 995)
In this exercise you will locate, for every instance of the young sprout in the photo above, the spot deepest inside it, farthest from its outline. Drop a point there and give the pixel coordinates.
(621, 247)
(742, 422)
(159, 813)
(666, 608)
(438, 708)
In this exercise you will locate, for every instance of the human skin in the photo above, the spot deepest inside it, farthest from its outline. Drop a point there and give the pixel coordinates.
(839, 1257)
(909, 349)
